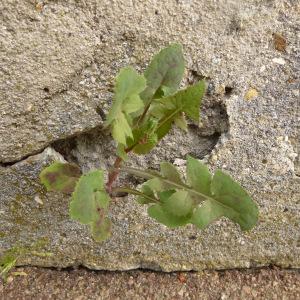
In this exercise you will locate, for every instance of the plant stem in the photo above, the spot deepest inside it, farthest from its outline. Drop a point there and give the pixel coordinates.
(148, 175)
(114, 173)
(141, 118)
(133, 192)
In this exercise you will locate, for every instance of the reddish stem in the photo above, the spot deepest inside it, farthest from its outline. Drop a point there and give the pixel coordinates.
(113, 175)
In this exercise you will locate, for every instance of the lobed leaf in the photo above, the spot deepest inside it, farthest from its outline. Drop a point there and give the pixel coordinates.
(129, 84)
(170, 109)
(198, 176)
(163, 77)
(61, 177)
(164, 73)
(240, 208)
(201, 200)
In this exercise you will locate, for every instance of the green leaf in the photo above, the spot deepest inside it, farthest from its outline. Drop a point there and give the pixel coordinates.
(90, 202)
(165, 181)
(240, 208)
(160, 215)
(187, 100)
(180, 121)
(167, 211)
(149, 143)
(222, 196)
(179, 204)
(60, 177)
(101, 229)
(86, 198)
(133, 103)
(165, 127)
(157, 182)
(208, 212)
(121, 152)
(198, 176)
(145, 196)
(169, 171)
(170, 109)
(7, 262)
(129, 84)
(121, 129)
(165, 195)
(147, 191)
(164, 73)
(144, 137)
(229, 200)
(190, 99)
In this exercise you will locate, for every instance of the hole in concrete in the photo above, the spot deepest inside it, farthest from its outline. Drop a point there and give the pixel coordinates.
(65, 148)
(264, 161)
(101, 113)
(235, 26)
(46, 89)
(92, 149)
(207, 145)
(194, 76)
(96, 148)
(228, 91)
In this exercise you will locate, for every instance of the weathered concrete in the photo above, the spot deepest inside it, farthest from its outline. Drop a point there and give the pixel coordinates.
(43, 55)
(229, 42)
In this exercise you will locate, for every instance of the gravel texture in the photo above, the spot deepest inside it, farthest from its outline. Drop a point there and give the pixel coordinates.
(83, 284)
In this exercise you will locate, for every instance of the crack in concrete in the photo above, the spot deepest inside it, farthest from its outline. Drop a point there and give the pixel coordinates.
(50, 144)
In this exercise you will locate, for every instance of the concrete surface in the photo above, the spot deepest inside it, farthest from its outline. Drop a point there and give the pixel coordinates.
(59, 61)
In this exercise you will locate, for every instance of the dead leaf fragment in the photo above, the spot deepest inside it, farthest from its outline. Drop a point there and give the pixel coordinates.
(279, 42)
(251, 94)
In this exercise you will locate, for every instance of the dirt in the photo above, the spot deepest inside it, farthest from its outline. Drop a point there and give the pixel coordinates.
(41, 283)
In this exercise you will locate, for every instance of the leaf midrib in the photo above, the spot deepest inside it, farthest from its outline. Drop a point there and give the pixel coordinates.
(148, 175)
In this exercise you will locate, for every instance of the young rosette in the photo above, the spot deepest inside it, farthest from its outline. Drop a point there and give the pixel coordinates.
(202, 199)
